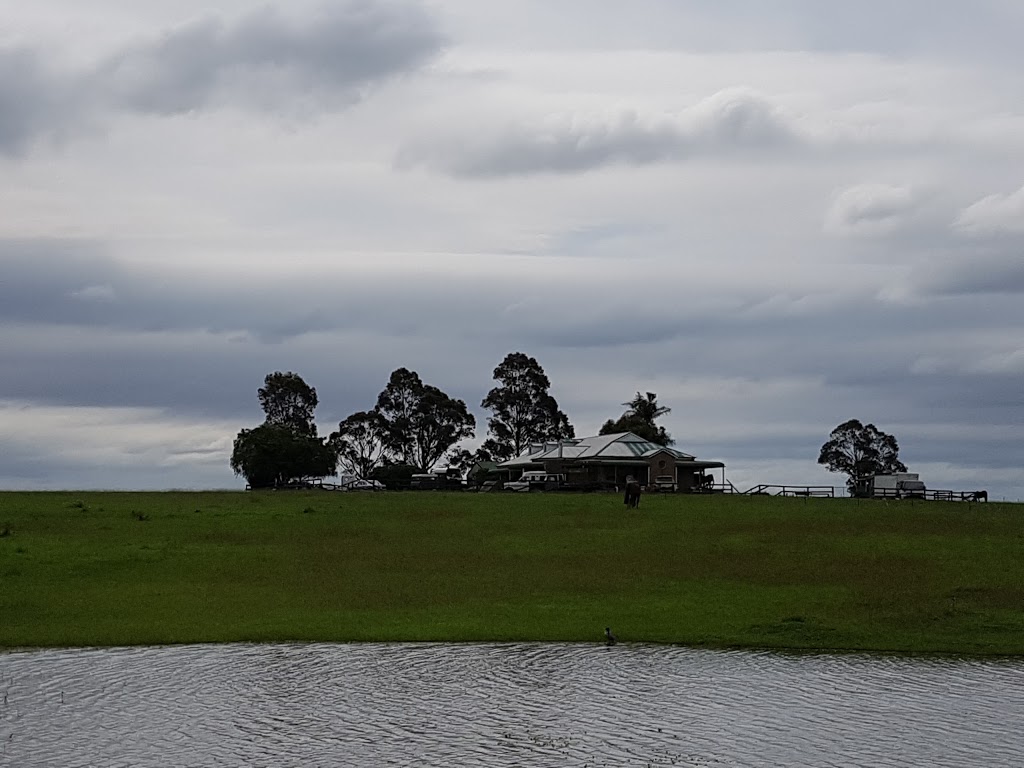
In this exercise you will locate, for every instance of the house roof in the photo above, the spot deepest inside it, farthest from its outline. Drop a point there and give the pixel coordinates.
(621, 446)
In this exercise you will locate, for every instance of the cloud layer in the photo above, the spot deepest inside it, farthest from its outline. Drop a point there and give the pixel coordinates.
(776, 220)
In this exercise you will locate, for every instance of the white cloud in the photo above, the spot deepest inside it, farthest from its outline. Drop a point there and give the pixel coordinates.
(872, 209)
(974, 361)
(114, 443)
(994, 215)
(95, 293)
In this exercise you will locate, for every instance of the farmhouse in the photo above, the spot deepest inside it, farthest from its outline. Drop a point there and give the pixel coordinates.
(609, 459)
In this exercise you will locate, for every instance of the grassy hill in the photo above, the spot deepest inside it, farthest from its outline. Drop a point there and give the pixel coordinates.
(86, 568)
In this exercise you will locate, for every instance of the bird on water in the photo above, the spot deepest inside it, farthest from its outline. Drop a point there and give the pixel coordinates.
(609, 638)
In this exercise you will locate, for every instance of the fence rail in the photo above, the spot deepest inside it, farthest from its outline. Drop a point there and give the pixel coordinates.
(958, 495)
(929, 495)
(764, 489)
(823, 491)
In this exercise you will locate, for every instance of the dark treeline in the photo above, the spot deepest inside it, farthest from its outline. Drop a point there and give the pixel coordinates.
(412, 428)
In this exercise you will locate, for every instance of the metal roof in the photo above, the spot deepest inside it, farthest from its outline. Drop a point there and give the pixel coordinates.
(617, 447)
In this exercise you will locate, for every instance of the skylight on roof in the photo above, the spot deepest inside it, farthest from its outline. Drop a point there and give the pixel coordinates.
(639, 449)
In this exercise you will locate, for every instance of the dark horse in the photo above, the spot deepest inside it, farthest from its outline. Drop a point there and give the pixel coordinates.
(632, 498)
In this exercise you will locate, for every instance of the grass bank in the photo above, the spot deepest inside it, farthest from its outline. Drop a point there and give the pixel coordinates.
(83, 568)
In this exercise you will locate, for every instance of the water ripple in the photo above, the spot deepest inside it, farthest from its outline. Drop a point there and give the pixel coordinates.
(502, 705)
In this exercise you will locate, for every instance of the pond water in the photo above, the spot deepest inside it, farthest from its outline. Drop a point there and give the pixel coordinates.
(502, 705)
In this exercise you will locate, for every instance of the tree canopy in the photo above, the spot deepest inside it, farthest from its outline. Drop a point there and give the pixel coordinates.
(639, 419)
(273, 455)
(359, 443)
(289, 401)
(397, 405)
(523, 411)
(285, 448)
(416, 423)
(858, 450)
(439, 423)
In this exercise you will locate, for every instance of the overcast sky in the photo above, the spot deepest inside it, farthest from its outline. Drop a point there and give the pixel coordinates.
(777, 216)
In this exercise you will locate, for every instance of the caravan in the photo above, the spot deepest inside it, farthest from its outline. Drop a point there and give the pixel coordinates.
(897, 485)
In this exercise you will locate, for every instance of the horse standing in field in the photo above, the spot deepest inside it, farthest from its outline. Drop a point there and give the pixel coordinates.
(632, 498)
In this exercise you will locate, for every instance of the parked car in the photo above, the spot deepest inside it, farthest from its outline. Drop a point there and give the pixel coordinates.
(536, 481)
(365, 485)
(665, 484)
(436, 481)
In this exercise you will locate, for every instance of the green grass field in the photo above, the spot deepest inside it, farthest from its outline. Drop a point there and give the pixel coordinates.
(84, 569)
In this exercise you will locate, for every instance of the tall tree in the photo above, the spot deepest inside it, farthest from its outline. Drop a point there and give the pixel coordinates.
(289, 401)
(397, 405)
(639, 419)
(523, 410)
(858, 450)
(360, 443)
(439, 422)
(420, 422)
(285, 448)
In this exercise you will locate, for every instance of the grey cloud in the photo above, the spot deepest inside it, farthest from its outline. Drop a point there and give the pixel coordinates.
(768, 447)
(42, 276)
(985, 27)
(36, 468)
(730, 122)
(972, 452)
(202, 351)
(620, 327)
(151, 340)
(977, 273)
(73, 283)
(76, 284)
(263, 61)
(34, 101)
(95, 293)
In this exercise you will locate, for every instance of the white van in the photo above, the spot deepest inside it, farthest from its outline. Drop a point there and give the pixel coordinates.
(536, 481)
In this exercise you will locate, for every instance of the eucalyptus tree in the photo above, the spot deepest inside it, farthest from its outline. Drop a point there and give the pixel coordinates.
(859, 450)
(285, 448)
(523, 411)
(360, 443)
(419, 422)
(289, 401)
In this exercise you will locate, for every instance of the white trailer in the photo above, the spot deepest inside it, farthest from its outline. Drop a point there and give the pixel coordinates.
(895, 485)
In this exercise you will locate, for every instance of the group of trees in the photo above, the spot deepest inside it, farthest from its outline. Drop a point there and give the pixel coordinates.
(414, 426)
(285, 447)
